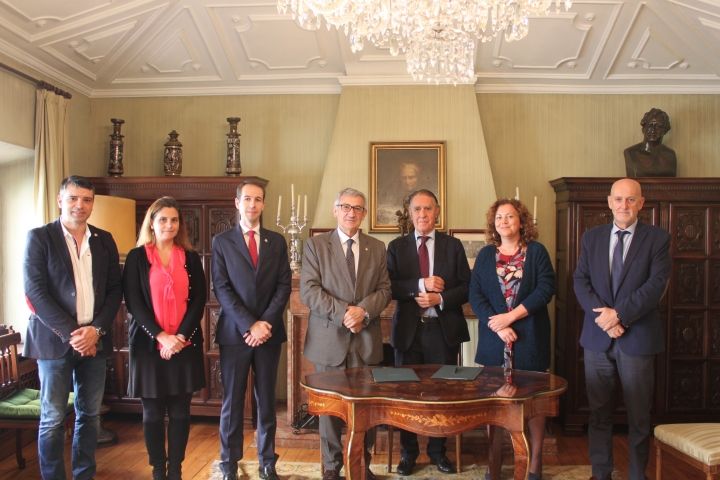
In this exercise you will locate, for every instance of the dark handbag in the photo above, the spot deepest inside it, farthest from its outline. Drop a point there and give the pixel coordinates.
(304, 420)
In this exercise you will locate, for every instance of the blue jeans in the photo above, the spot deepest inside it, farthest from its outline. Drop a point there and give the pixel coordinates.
(56, 383)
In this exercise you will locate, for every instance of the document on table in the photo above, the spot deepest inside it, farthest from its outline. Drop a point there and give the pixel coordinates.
(382, 375)
(451, 372)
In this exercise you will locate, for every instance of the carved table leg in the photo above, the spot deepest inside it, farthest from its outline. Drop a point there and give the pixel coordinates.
(355, 450)
(495, 435)
(521, 448)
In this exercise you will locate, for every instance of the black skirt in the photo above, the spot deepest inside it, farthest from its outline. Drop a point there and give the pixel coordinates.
(151, 376)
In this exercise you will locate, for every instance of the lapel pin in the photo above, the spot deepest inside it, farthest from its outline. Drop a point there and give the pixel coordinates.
(266, 240)
(366, 249)
(95, 234)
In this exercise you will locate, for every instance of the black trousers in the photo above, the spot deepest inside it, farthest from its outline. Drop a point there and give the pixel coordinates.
(637, 379)
(235, 363)
(428, 347)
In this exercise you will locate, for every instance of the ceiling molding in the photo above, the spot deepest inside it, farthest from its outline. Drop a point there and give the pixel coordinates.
(600, 89)
(135, 48)
(22, 57)
(219, 91)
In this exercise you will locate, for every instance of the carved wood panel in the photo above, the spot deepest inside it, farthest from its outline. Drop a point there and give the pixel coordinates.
(214, 315)
(215, 381)
(715, 334)
(690, 230)
(687, 334)
(690, 282)
(221, 219)
(714, 390)
(591, 217)
(685, 386)
(192, 217)
(715, 273)
(715, 226)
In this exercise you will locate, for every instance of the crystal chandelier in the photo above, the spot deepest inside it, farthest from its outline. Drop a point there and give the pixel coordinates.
(437, 36)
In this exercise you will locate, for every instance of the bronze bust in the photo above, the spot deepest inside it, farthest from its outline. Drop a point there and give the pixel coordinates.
(650, 158)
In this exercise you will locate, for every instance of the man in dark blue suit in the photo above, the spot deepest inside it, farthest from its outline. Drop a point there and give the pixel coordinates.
(252, 281)
(430, 280)
(73, 288)
(621, 275)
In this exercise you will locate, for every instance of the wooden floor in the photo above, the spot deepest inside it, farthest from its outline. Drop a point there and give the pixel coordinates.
(128, 459)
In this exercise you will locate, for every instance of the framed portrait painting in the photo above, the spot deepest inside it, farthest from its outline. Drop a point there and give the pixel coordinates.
(472, 240)
(398, 169)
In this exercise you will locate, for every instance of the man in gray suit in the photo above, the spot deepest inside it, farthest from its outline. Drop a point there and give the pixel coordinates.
(345, 283)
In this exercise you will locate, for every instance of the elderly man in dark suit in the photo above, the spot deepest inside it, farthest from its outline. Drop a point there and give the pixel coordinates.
(344, 282)
(73, 288)
(621, 275)
(252, 281)
(430, 278)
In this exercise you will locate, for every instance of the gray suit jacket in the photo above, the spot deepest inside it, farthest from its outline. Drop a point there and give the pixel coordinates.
(326, 288)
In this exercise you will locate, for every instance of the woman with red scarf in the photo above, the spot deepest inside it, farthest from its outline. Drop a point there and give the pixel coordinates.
(164, 286)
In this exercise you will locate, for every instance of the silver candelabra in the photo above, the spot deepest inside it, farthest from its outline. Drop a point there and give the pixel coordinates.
(294, 228)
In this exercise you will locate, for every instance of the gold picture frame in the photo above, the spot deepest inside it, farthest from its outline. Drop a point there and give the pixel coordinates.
(398, 169)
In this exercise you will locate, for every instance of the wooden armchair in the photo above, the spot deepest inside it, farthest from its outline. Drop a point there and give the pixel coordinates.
(19, 407)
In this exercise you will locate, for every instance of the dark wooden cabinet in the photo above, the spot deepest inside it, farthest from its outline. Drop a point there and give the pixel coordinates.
(687, 374)
(208, 205)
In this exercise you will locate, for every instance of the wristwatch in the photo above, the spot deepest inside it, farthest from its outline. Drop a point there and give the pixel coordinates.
(100, 331)
(366, 321)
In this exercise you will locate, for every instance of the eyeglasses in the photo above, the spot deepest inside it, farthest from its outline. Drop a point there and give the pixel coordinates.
(346, 208)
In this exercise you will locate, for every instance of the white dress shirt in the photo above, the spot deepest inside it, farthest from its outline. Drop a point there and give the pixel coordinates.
(430, 244)
(82, 269)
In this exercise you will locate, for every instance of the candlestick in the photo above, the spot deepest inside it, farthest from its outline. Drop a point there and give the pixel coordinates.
(279, 203)
(294, 228)
(517, 193)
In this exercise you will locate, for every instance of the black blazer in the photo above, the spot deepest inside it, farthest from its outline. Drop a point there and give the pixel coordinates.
(50, 289)
(247, 295)
(643, 281)
(136, 285)
(450, 264)
(532, 349)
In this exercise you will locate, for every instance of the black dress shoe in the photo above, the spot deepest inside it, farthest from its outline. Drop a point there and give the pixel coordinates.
(443, 464)
(405, 467)
(230, 476)
(330, 475)
(268, 473)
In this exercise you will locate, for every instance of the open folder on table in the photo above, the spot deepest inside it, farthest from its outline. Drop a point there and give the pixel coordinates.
(391, 374)
(451, 372)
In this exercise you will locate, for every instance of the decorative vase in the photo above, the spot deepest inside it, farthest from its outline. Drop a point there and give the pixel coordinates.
(115, 168)
(173, 155)
(233, 168)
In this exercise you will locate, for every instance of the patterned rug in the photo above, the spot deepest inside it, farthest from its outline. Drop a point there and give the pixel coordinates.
(311, 471)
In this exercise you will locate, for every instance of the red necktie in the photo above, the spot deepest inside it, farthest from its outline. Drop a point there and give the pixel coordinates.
(424, 258)
(252, 246)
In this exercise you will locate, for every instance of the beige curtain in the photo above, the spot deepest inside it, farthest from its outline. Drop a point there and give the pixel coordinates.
(51, 152)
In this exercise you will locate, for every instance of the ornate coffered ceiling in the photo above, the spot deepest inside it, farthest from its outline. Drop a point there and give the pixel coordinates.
(120, 48)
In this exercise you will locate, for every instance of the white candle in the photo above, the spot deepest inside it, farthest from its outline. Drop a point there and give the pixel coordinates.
(292, 192)
(517, 193)
(305, 205)
(535, 208)
(298, 204)
(279, 203)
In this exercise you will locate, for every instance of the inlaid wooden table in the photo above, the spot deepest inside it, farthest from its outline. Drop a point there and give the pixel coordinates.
(438, 408)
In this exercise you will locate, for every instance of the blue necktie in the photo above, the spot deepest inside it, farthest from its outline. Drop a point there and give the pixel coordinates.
(617, 261)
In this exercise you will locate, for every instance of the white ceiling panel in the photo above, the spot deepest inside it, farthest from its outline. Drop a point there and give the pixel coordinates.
(217, 47)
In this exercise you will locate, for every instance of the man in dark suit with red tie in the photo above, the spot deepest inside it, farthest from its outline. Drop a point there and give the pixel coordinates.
(621, 276)
(430, 280)
(252, 281)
